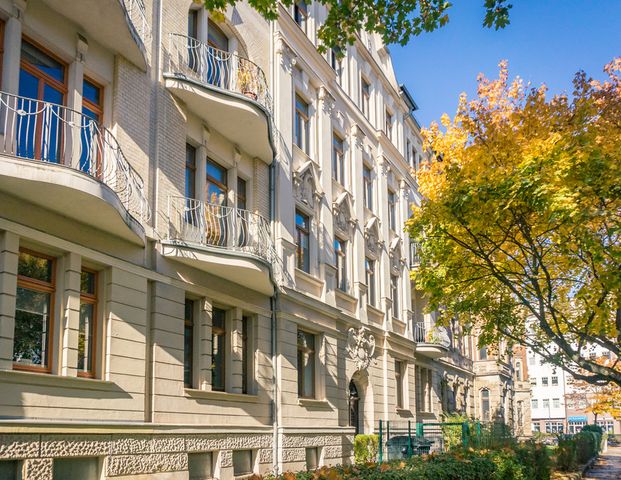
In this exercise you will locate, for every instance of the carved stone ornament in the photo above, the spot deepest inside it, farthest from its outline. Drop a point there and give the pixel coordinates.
(305, 186)
(342, 209)
(371, 234)
(360, 347)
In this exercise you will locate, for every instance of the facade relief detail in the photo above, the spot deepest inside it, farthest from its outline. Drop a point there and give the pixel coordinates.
(360, 347)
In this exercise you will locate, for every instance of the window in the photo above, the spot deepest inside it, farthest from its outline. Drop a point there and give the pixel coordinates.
(76, 468)
(216, 38)
(533, 381)
(399, 378)
(242, 462)
(300, 14)
(409, 152)
(365, 97)
(392, 210)
(306, 364)
(242, 199)
(34, 308)
(532, 360)
(483, 353)
(556, 403)
(92, 108)
(335, 62)
(247, 355)
(87, 332)
(42, 78)
(200, 465)
(394, 295)
(217, 189)
(193, 23)
(485, 410)
(544, 381)
(190, 171)
(554, 427)
(368, 187)
(607, 425)
(338, 159)
(518, 371)
(545, 403)
(389, 125)
(554, 380)
(188, 344)
(534, 403)
(520, 413)
(536, 427)
(312, 458)
(218, 349)
(9, 468)
(369, 266)
(302, 229)
(302, 125)
(340, 253)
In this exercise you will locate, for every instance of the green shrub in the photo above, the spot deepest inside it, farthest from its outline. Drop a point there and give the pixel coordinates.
(536, 460)
(566, 459)
(593, 428)
(587, 445)
(366, 448)
(452, 434)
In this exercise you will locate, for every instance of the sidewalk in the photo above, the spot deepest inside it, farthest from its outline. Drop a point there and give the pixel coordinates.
(607, 467)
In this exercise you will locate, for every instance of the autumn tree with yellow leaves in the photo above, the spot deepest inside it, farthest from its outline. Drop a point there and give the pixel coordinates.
(521, 219)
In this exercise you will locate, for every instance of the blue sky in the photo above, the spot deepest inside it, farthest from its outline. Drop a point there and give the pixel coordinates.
(546, 42)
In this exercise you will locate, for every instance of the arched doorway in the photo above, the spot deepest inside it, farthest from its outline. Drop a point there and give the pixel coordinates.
(354, 407)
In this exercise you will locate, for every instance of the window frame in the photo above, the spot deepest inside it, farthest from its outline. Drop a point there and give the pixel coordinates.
(302, 231)
(190, 169)
(392, 210)
(399, 384)
(91, 299)
(42, 287)
(219, 331)
(340, 255)
(486, 407)
(367, 180)
(189, 325)
(389, 124)
(365, 96)
(371, 280)
(339, 172)
(312, 352)
(394, 295)
(300, 14)
(302, 123)
(221, 185)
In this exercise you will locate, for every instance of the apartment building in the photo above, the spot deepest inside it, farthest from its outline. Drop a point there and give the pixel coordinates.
(203, 266)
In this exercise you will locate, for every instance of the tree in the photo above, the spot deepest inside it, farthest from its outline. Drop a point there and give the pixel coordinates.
(395, 20)
(521, 218)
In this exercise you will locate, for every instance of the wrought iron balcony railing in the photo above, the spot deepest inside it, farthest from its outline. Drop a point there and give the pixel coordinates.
(414, 255)
(37, 130)
(192, 59)
(434, 335)
(136, 12)
(205, 224)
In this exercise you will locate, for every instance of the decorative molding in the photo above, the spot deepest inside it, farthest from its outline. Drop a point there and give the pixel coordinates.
(360, 347)
(81, 48)
(327, 100)
(306, 185)
(288, 58)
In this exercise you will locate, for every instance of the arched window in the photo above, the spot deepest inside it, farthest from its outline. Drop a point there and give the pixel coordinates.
(485, 404)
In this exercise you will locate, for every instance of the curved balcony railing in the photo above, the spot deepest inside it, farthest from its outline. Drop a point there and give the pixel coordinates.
(195, 222)
(137, 14)
(434, 335)
(190, 58)
(51, 133)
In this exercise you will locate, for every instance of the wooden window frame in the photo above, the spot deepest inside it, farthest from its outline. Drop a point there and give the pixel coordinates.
(299, 231)
(45, 287)
(99, 111)
(217, 183)
(242, 196)
(91, 299)
(399, 384)
(312, 352)
(189, 322)
(220, 331)
(305, 123)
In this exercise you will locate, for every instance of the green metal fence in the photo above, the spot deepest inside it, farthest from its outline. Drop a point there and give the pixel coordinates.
(401, 440)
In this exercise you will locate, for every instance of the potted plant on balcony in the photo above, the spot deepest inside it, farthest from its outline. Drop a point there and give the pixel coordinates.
(247, 81)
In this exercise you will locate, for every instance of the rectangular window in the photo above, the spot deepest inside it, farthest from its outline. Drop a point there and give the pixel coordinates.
(242, 462)
(218, 349)
(200, 465)
(87, 333)
(340, 254)
(242, 201)
(190, 171)
(556, 403)
(533, 381)
(534, 403)
(336, 56)
(247, 355)
(302, 125)
(312, 458)
(34, 308)
(188, 344)
(544, 381)
(369, 266)
(9, 468)
(78, 468)
(554, 380)
(338, 159)
(392, 210)
(394, 292)
(545, 403)
(365, 97)
(536, 427)
(306, 364)
(399, 371)
(300, 14)
(217, 187)
(483, 353)
(302, 229)
(389, 125)
(368, 187)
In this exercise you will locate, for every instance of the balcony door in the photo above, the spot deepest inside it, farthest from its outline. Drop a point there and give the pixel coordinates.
(40, 125)
(218, 217)
(219, 59)
(91, 133)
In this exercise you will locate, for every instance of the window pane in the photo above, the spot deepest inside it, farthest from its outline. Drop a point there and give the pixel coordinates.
(87, 282)
(188, 343)
(190, 171)
(242, 462)
(91, 92)
(8, 469)
(35, 267)
(218, 354)
(216, 37)
(42, 61)
(76, 468)
(85, 337)
(200, 466)
(32, 318)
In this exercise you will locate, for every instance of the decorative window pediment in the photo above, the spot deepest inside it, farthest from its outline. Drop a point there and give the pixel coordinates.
(306, 185)
(371, 234)
(395, 254)
(342, 209)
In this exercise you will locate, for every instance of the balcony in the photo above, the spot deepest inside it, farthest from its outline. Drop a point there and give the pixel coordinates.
(120, 25)
(414, 255)
(228, 242)
(431, 342)
(68, 163)
(229, 92)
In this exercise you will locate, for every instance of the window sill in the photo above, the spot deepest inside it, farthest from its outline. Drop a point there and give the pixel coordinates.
(53, 380)
(404, 412)
(226, 396)
(314, 403)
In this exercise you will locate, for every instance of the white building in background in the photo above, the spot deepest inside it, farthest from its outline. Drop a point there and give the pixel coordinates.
(203, 265)
(548, 399)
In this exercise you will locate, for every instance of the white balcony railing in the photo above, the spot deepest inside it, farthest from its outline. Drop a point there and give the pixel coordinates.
(192, 59)
(136, 12)
(51, 133)
(431, 335)
(205, 224)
